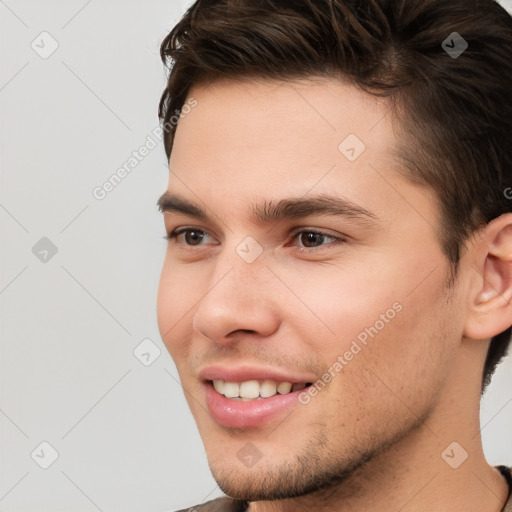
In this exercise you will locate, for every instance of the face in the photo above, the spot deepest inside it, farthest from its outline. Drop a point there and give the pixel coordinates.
(315, 264)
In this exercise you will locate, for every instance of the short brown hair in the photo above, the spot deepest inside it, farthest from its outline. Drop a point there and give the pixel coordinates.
(454, 112)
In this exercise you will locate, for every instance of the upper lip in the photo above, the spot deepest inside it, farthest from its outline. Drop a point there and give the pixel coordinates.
(242, 373)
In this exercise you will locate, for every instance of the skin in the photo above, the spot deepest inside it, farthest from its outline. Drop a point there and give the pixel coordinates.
(372, 438)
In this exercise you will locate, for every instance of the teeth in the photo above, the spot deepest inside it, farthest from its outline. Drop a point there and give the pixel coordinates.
(268, 388)
(284, 387)
(250, 389)
(231, 389)
(254, 389)
(219, 386)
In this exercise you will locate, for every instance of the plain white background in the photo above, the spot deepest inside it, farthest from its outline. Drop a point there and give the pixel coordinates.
(69, 325)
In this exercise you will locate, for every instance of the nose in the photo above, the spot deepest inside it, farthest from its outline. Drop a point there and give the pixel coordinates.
(237, 301)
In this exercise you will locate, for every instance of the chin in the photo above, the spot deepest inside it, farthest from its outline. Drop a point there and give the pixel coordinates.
(303, 474)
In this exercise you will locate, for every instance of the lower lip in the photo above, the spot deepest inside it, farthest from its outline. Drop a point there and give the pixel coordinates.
(253, 413)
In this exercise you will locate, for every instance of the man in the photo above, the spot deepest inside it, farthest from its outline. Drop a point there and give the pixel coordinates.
(337, 287)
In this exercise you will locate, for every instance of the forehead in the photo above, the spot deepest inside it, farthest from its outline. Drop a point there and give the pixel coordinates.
(294, 120)
(282, 129)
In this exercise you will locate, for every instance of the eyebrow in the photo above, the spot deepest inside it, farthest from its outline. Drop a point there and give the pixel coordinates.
(272, 211)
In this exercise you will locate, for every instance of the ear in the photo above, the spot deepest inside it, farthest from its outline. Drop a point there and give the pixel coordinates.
(490, 301)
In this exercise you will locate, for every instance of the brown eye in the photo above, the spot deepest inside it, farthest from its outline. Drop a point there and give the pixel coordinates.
(313, 239)
(310, 238)
(192, 237)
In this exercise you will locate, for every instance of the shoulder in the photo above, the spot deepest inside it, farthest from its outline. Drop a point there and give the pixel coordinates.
(219, 505)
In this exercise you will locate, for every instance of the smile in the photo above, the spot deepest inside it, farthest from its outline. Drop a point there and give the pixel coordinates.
(256, 389)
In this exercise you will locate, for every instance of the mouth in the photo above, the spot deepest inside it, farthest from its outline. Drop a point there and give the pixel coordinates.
(250, 390)
(251, 403)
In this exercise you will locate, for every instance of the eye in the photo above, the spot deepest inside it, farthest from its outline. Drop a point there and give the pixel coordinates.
(195, 235)
(308, 237)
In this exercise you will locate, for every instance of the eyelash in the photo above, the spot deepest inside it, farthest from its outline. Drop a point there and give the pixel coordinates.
(337, 239)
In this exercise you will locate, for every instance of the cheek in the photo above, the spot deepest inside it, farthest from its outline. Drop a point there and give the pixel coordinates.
(334, 306)
(175, 297)
(377, 321)
(399, 366)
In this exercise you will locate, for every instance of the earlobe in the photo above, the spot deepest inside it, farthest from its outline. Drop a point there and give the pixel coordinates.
(491, 304)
